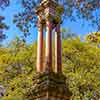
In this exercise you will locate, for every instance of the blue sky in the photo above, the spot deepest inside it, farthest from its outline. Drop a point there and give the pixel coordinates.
(15, 7)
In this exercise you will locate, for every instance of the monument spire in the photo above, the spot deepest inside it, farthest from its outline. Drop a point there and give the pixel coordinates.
(49, 84)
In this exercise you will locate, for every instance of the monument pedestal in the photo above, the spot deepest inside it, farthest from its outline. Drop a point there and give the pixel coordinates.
(49, 86)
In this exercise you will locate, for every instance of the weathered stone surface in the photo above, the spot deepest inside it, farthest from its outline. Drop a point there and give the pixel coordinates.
(49, 86)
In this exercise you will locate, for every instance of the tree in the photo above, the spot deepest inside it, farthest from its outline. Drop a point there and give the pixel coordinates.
(81, 65)
(94, 38)
(16, 69)
(3, 26)
(73, 10)
(4, 3)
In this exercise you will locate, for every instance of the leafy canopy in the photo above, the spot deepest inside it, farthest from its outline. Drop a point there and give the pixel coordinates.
(81, 65)
(73, 10)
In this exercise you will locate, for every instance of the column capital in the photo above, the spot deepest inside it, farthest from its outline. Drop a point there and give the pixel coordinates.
(39, 25)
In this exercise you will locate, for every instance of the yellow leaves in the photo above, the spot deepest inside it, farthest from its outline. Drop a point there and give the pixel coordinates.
(81, 65)
(94, 37)
(60, 10)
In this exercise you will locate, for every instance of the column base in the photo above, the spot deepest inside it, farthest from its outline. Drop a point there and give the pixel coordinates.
(49, 86)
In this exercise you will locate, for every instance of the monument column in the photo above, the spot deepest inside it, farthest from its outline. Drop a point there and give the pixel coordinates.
(49, 85)
(40, 48)
(58, 50)
(48, 66)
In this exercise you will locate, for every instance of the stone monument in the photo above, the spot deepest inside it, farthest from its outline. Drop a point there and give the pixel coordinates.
(49, 83)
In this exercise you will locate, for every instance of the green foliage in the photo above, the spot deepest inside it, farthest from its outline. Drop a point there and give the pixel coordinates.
(94, 37)
(16, 69)
(81, 65)
(73, 10)
(4, 3)
(3, 26)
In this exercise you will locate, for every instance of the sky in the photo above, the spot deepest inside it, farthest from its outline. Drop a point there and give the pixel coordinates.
(13, 31)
